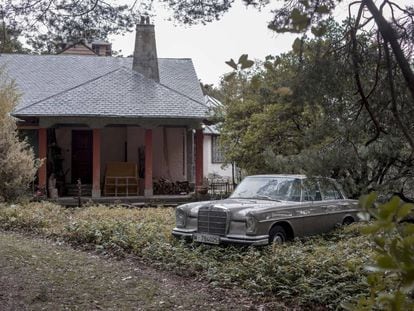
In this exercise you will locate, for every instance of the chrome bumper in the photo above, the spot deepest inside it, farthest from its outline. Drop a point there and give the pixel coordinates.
(183, 233)
(230, 238)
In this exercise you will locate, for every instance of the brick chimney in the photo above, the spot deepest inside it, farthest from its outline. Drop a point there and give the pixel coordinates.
(145, 52)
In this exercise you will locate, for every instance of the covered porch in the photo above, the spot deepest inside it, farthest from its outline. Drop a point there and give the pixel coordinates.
(84, 149)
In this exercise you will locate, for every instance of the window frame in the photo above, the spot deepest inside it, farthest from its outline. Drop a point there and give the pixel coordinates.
(333, 184)
(218, 156)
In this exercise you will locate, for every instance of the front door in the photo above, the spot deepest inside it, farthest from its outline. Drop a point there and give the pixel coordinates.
(82, 156)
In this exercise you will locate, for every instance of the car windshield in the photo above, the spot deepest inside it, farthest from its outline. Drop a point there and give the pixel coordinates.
(269, 188)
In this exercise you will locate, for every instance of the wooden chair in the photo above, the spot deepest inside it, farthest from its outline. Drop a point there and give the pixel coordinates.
(121, 179)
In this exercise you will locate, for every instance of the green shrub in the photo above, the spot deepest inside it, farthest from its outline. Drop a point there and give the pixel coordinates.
(42, 218)
(320, 271)
(392, 265)
(17, 162)
(129, 230)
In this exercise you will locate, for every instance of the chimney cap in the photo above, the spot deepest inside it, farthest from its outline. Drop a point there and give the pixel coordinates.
(145, 20)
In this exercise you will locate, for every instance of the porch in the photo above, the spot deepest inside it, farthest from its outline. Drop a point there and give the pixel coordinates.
(82, 152)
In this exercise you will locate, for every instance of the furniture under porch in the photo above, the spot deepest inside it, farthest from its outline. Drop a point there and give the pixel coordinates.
(116, 186)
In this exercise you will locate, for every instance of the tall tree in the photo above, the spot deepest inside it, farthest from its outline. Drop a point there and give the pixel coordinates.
(299, 112)
(390, 23)
(46, 22)
(10, 41)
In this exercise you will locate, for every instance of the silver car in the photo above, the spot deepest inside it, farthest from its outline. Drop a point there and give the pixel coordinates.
(267, 209)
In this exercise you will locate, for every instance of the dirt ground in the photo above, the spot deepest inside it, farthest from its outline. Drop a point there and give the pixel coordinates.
(37, 274)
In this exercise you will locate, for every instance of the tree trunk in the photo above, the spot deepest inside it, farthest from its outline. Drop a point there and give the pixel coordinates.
(389, 35)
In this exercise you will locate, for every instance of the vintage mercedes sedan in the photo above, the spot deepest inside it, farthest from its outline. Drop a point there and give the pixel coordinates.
(266, 209)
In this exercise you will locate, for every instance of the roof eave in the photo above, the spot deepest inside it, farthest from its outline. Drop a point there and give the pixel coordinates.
(17, 115)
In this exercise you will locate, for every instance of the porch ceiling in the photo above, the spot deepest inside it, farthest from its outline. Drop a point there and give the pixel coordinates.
(101, 122)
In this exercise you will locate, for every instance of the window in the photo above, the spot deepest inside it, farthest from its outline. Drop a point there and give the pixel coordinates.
(217, 155)
(95, 49)
(311, 190)
(274, 188)
(329, 190)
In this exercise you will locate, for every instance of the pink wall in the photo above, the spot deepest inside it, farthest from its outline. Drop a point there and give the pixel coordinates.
(169, 163)
(175, 169)
(135, 138)
(112, 146)
(169, 153)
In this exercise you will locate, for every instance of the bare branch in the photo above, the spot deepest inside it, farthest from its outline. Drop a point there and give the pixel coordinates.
(389, 35)
(356, 67)
(394, 108)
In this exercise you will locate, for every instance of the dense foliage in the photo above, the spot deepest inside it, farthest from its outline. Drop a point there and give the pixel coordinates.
(391, 24)
(45, 24)
(9, 41)
(320, 271)
(392, 271)
(299, 113)
(17, 162)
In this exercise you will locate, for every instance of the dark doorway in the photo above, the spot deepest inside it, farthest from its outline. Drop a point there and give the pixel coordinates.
(82, 156)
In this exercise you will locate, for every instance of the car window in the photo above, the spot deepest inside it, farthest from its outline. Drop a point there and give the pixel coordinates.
(275, 188)
(329, 190)
(280, 189)
(295, 190)
(311, 191)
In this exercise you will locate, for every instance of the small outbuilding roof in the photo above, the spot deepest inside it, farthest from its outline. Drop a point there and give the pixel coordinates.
(211, 129)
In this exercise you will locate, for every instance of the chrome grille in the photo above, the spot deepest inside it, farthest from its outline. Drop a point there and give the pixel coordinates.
(212, 221)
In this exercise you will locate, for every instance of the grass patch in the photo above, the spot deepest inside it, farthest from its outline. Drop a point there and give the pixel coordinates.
(39, 275)
(320, 271)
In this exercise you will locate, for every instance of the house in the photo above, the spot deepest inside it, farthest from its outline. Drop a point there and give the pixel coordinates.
(83, 112)
(86, 47)
(213, 155)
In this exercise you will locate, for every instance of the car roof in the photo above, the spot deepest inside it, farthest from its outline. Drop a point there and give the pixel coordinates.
(280, 175)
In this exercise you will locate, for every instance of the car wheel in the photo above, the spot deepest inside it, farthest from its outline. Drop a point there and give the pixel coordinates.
(277, 235)
(347, 221)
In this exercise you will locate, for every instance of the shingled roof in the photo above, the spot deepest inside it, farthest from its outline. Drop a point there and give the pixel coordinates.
(68, 85)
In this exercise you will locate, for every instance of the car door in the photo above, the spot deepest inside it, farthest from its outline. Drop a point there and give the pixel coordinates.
(310, 217)
(335, 204)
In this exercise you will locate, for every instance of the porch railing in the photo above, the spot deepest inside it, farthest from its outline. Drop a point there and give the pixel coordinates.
(220, 187)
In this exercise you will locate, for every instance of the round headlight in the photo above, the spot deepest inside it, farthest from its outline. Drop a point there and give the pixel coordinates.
(250, 224)
(180, 217)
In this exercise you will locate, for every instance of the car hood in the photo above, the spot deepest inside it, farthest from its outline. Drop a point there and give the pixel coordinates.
(237, 207)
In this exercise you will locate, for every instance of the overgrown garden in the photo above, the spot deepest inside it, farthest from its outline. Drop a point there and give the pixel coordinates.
(315, 272)
(339, 105)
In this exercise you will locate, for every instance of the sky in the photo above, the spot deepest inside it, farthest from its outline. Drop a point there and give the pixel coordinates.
(240, 31)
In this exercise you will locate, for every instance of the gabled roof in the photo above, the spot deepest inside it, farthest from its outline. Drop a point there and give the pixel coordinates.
(41, 77)
(119, 93)
(80, 47)
(211, 104)
(211, 129)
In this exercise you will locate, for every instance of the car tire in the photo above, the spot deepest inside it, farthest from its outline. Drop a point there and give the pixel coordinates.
(347, 221)
(277, 235)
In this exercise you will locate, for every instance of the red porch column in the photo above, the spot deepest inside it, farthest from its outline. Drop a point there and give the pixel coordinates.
(199, 138)
(148, 191)
(96, 163)
(42, 172)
